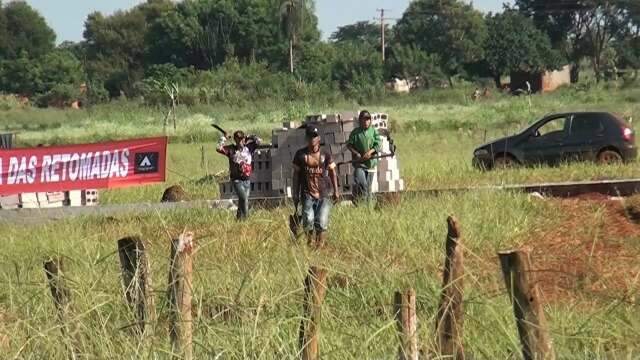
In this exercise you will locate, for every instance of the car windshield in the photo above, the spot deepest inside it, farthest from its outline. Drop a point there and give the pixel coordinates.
(528, 126)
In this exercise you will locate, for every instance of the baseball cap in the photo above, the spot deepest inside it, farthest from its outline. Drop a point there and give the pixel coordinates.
(311, 132)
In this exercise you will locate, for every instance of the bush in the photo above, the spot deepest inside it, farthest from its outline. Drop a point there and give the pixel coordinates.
(96, 93)
(61, 95)
(9, 102)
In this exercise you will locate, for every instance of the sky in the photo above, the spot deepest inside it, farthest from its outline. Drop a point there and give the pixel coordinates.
(67, 17)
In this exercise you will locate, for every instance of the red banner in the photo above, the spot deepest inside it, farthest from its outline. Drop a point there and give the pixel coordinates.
(87, 166)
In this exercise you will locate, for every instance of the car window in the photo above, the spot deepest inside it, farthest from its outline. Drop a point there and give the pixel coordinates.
(556, 125)
(586, 124)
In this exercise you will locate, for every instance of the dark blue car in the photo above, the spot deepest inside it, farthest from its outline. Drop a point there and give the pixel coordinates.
(578, 136)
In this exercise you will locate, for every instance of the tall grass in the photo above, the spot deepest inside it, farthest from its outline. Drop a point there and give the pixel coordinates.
(421, 112)
(255, 271)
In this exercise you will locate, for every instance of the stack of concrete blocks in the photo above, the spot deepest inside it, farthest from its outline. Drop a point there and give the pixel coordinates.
(273, 168)
(334, 130)
(285, 142)
(47, 200)
(261, 178)
(387, 177)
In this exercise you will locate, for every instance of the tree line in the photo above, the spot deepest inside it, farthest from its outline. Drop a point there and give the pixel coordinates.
(242, 50)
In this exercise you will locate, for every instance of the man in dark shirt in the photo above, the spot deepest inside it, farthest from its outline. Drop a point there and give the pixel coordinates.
(314, 183)
(240, 167)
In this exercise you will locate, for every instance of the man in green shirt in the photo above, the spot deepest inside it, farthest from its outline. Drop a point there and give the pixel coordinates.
(364, 143)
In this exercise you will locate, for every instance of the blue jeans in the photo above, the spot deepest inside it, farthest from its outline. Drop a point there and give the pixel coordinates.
(242, 189)
(315, 213)
(362, 179)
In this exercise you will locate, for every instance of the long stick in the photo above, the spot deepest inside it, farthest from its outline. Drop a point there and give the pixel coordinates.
(180, 277)
(53, 269)
(407, 320)
(315, 286)
(136, 280)
(449, 323)
(524, 293)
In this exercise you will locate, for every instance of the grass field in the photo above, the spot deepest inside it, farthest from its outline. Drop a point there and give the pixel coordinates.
(586, 250)
(256, 271)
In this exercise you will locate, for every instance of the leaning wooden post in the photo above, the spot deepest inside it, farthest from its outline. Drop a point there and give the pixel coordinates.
(407, 320)
(315, 287)
(525, 296)
(53, 269)
(136, 280)
(449, 323)
(180, 277)
(203, 161)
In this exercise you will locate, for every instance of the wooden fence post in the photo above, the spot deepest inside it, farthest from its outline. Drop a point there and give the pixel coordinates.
(203, 161)
(525, 296)
(53, 269)
(407, 320)
(180, 277)
(315, 287)
(449, 323)
(136, 279)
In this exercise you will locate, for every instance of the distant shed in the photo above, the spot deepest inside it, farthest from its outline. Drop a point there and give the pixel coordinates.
(547, 81)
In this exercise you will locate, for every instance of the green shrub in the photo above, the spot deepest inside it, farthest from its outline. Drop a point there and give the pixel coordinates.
(61, 95)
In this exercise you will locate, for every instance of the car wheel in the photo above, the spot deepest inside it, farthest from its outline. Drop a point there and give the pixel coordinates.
(504, 162)
(607, 157)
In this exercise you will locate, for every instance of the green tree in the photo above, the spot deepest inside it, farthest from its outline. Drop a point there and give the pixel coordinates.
(24, 32)
(61, 67)
(31, 77)
(316, 61)
(409, 62)
(206, 33)
(22, 76)
(627, 42)
(291, 14)
(515, 44)
(451, 29)
(602, 22)
(115, 45)
(581, 28)
(362, 32)
(357, 65)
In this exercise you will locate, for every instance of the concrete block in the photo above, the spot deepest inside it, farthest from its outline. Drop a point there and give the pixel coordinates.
(328, 139)
(42, 197)
(331, 127)
(337, 149)
(345, 169)
(340, 138)
(374, 183)
(10, 201)
(75, 197)
(289, 125)
(90, 197)
(348, 126)
(29, 200)
(57, 196)
(387, 186)
(348, 116)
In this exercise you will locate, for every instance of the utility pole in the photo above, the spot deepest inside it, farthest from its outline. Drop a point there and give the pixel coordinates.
(382, 19)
